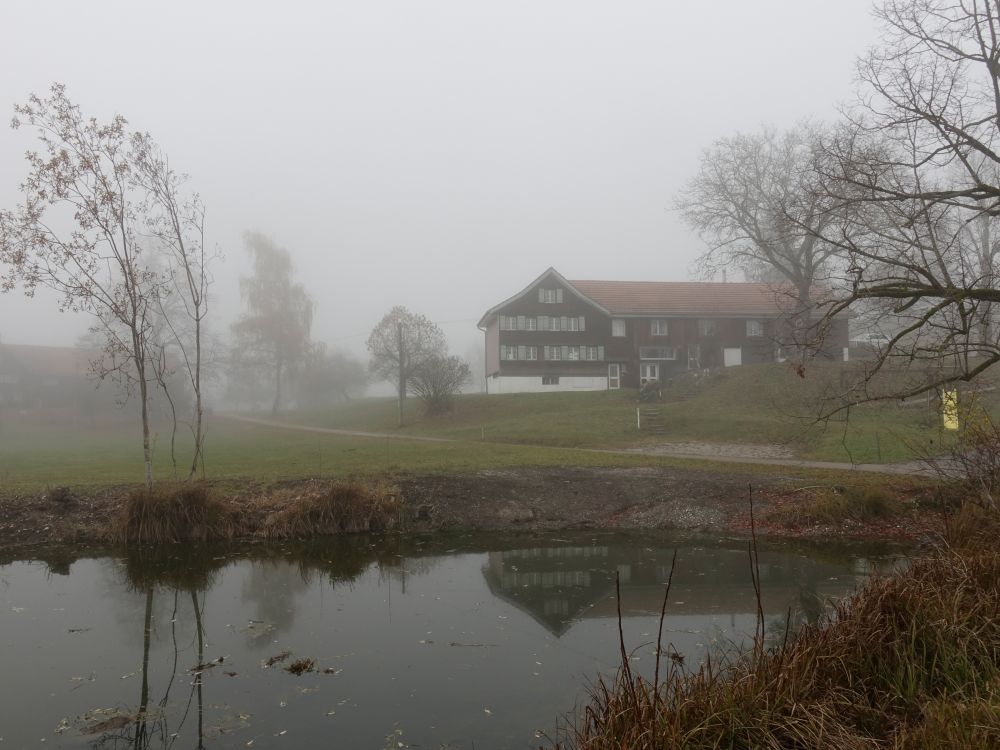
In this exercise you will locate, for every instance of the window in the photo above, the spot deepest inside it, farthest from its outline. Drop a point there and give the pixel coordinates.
(518, 323)
(658, 327)
(754, 328)
(550, 296)
(518, 352)
(573, 353)
(657, 352)
(550, 380)
(617, 327)
(708, 328)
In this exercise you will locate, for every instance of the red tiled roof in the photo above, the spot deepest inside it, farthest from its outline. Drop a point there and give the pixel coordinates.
(686, 297)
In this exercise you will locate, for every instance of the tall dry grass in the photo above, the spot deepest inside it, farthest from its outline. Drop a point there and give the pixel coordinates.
(911, 661)
(173, 513)
(345, 507)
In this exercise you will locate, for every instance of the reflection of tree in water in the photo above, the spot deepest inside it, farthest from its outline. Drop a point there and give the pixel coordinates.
(403, 568)
(150, 724)
(171, 583)
(271, 587)
(278, 577)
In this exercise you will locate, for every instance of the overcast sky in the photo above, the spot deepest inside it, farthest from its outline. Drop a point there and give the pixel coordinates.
(438, 155)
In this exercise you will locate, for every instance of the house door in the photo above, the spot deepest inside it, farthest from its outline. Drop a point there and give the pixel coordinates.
(614, 376)
(732, 357)
(648, 371)
(694, 356)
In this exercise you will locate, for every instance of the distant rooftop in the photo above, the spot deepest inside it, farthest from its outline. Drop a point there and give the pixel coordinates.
(685, 297)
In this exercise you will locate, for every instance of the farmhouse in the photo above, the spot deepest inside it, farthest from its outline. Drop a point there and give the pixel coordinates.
(557, 334)
(38, 378)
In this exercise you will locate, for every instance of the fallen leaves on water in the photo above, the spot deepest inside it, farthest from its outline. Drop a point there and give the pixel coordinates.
(272, 660)
(301, 666)
(94, 724)
(207, 665)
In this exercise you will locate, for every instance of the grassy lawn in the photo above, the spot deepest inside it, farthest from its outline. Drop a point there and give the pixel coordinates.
(601, 419)
(755, 404)
(747, 405)
(37, 457)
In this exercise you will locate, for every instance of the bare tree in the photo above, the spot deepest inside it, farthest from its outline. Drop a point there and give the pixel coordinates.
(756, 204)
(914, 176)
(930, 104)
(78, 233)
(176, 222)
(437, 379)
(400, 342)
(274, 332)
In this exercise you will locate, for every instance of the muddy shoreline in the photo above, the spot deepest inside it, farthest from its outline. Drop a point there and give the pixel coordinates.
(509, 500)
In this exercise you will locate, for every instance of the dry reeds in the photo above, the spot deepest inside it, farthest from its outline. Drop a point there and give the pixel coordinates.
(912, 661)
(193, 513)
(173, 513)
(344, 507)
(835, 505)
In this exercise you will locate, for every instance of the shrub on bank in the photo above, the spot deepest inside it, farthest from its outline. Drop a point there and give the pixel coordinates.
(171, 513)
(344, 507)
(912, 661)
(836, 505)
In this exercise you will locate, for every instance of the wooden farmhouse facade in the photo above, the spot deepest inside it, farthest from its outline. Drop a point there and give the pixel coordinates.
(565, 335)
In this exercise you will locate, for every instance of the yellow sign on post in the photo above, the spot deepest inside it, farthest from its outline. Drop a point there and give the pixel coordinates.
(949, 409)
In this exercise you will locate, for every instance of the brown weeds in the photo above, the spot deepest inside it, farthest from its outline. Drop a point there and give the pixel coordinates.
(192, 512)
(836, 505)
(344, 507)
(912, 661)
(174, 513)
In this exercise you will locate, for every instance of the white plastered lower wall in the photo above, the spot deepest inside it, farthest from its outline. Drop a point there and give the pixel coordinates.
(533, 384)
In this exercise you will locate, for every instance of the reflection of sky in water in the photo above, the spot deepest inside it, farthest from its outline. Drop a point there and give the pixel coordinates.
(447, 648)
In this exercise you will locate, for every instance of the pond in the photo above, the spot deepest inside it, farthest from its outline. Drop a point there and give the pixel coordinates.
(438, 642)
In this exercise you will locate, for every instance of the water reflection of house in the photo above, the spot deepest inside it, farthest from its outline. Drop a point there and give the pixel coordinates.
(560, 585)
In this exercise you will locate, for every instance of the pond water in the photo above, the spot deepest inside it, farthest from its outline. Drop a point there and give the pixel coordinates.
(443, 642)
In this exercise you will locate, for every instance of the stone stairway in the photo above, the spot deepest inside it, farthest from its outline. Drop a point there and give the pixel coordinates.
(651, 420)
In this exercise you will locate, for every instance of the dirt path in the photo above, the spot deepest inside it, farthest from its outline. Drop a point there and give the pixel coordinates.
(730, 453)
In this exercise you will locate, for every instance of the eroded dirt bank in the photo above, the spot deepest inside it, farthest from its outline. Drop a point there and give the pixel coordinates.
(528, 499)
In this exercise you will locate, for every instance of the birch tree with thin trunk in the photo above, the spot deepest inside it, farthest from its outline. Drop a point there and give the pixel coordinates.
(78, 232)
(176, 223)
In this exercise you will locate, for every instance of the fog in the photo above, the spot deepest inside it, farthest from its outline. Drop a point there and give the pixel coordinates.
(437, 155)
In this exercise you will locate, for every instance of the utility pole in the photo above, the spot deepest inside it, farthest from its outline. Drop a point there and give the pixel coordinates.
(402, 369)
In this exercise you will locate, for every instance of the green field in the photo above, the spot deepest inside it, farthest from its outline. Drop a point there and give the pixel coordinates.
(755, 404)
(746, 405)
(36, 457)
